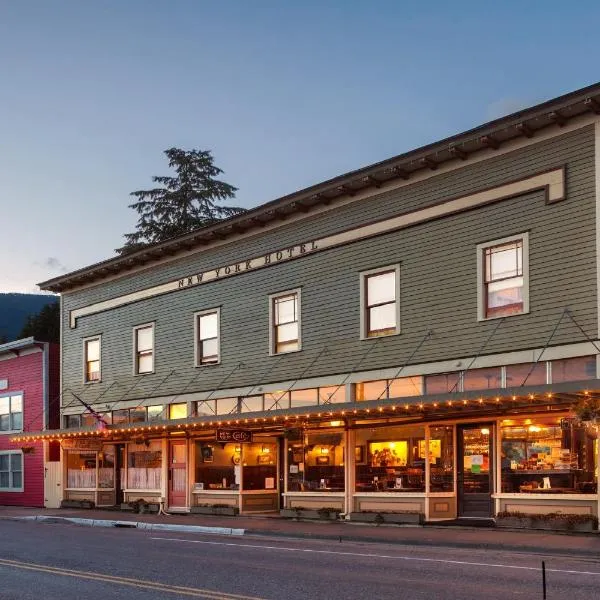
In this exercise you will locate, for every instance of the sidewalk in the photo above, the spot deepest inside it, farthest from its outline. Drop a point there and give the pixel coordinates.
(584, 545)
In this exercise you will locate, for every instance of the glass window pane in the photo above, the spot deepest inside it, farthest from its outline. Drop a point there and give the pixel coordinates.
(4, 422)
(120, 416)
(506, 294)
(227, 406)
(287, 332)
(155, 413)
(505, 261)
(17, 421)
(4, 479)
(335, 394)
(144, 339)
(145, 363)
(516, 374)
(93, 350)
(81, 469)
(285, 309)
(17, 479)
(206, 408)
(72, 421)
(4, 461)
(441, 384)
(88, 420)
(382, 318)
(208, 326)
(209, 350)
(4, 405)
(381, 288)
(287, 346)
(137, 415)
(178, 411)
(371, 390)
(574, 369)
(252, 404)
(482, 379)
(277, 400)
(406, 386)
(304, 398)
(441, 459)
(16, 462)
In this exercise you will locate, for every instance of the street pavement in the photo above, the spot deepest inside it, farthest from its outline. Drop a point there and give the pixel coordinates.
(57, 561)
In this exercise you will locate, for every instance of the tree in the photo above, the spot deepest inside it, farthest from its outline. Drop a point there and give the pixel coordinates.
(182, 203)
(45, 325)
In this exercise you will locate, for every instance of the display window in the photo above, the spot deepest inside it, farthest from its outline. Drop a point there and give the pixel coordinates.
(144, 466)
(390, 459)
(316, 462)
(218, 466)
(548, 455)
(441, 459)
(259, 470)
(106, 467)
(81, 470)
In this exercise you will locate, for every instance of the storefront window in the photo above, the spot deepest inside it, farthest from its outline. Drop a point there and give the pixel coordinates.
(260, 466)
(156, 413)
(390, 459)
(106, 467)
(517, 375)
(300, 398)
(81, 470)
(206, 408)
(405, 387)
(445, 383)
(574, 369)
(335, 394)
(277, 400)
(548, 455)
(120, 417)
(218, 466)
(252, 404)
(178, 411)
(137, 415)
(482, 379)
(228, 406)
(371, 390)
(144, 466)
(441, 459)
(316, 463)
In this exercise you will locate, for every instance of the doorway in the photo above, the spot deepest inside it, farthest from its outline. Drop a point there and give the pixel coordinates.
(120, 472)
(177, 474)
(475, 470)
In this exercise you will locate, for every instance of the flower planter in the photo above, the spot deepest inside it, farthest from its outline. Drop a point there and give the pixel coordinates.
(559, 522)
(383, 517)
(77, 504)
(224, 511)
(305, 513)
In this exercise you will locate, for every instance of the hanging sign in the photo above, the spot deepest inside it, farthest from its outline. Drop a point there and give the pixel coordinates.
(233, 435)
(83, 445)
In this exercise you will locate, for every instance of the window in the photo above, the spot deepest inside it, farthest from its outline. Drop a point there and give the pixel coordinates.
(207, 337)
(482, 379)
(441, 458)
(11, 413)
(502, 273)
(389, 388)
(252, 404)
(144, 466)
(277, 400)
(72, 421)
(178, 411)
(301, 398)
(137, 415)
(574, 369)
(380, 306)
(284, 314)
(81, 470)
(11, 471)
(143, 342)
(228, 406)
(206, 408)
(156, 413)
(91, 360)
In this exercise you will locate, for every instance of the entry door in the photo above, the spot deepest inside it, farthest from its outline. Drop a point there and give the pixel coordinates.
(177, 474)
(52, 484)
(475, 470)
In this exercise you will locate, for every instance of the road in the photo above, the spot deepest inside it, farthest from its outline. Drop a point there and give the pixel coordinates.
(64, 562)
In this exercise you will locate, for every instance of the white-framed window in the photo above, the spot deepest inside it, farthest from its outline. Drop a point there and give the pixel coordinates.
(91, 359)
(380, 302)
(285, 324)
(11, 413)
(11, 471)
(207, 334)
(503, 277)
(143, 349)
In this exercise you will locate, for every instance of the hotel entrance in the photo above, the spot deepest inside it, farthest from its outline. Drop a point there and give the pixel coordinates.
(475, 470)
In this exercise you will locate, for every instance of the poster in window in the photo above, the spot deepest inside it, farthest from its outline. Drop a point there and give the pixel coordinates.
(207, 454)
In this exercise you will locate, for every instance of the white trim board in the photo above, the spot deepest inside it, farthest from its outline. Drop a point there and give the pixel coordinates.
(552, 181)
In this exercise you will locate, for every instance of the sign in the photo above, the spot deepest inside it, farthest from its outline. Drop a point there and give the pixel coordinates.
(233, 435)
(83, 445)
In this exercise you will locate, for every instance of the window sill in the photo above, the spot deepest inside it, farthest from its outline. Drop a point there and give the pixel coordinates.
(143, 374)
(92, 382)
(286, 352)
(11, 490)
(203, 365)
(496, 317)
(378, 337)
(11, 432)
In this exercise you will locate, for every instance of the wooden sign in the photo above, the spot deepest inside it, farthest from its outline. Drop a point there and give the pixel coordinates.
(82, 445)
(233, 435)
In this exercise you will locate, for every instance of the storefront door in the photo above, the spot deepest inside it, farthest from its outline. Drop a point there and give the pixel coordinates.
(475, 470)
(177, 474)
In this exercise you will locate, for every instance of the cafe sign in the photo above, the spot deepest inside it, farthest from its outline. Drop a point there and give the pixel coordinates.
(233, 435)
(82, 445)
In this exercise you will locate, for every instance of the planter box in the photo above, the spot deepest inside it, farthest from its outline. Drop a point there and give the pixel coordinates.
(396, 518)
(545, 524)
(76, 504)
(150, 508)
(304, 513)
(227, 511)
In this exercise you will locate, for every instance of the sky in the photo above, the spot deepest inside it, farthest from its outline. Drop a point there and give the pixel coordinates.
(285, 94)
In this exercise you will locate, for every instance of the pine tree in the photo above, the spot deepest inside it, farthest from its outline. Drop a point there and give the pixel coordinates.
(43, 326)
(182, 203)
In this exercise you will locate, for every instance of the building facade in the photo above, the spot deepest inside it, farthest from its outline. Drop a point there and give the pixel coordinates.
(29, 392)
(409, 337)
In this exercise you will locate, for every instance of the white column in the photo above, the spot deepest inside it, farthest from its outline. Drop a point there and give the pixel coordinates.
(349, 469)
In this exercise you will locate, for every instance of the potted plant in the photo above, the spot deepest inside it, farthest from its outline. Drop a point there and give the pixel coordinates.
(396, 518)
(223, 510)
(549, 521)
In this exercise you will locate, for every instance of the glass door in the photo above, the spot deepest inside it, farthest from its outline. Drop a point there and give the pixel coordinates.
(177, 474)
(475, 470)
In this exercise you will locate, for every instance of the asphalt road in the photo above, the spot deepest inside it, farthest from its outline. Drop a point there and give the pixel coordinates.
(64, 562)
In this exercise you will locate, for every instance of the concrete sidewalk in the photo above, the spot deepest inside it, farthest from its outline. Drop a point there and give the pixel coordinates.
(584, 545)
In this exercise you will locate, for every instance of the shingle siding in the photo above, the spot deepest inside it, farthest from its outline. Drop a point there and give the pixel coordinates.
(438, 285)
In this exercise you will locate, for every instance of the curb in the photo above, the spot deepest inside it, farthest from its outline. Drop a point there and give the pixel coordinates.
(133, 525)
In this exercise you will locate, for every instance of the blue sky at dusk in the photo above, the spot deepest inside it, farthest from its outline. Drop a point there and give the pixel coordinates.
(286, 94)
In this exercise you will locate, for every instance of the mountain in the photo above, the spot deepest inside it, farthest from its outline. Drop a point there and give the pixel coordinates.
(14, 310)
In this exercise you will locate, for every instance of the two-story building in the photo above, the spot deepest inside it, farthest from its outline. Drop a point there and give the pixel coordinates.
(29, 402)
(410, 336)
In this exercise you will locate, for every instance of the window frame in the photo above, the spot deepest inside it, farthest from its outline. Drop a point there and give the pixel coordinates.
(272, 325)
(86, 340)
(364, 319)
(481, 271)
(197, 357)
(137, 328)
(10, 395)
(11, 489)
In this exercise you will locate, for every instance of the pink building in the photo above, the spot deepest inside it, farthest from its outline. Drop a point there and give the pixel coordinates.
(29, 389)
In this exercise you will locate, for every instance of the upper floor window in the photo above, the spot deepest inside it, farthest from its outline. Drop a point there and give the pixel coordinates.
(143, 349)
(11, 413)
(207, 337)
(380, 302)
(503, 277)
(91, 359)
(11, 470)
(284, 313)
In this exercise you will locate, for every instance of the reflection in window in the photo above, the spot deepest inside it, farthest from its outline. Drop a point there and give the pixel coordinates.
(518, 375)
(260, 466)
(208, 337)
(380, 303)
(216, 466)
(444, 383)
(503, 279)
(11, 470)
(252, 404)
(144, 349)
(441, 459)
(482, 379)
(300, 398)
(206, 408)
(178, 411)
(156, 413)
(91, 349)
(285, 323)
(228, 406)
(574, 369)
(277, 400)
(11, 413)
(335, 394)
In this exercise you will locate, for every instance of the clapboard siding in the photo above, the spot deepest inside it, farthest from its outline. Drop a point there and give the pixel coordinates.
(438, 285)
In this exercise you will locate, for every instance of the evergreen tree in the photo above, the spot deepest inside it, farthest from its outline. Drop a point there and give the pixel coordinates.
(182, 203)
(45, 325)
